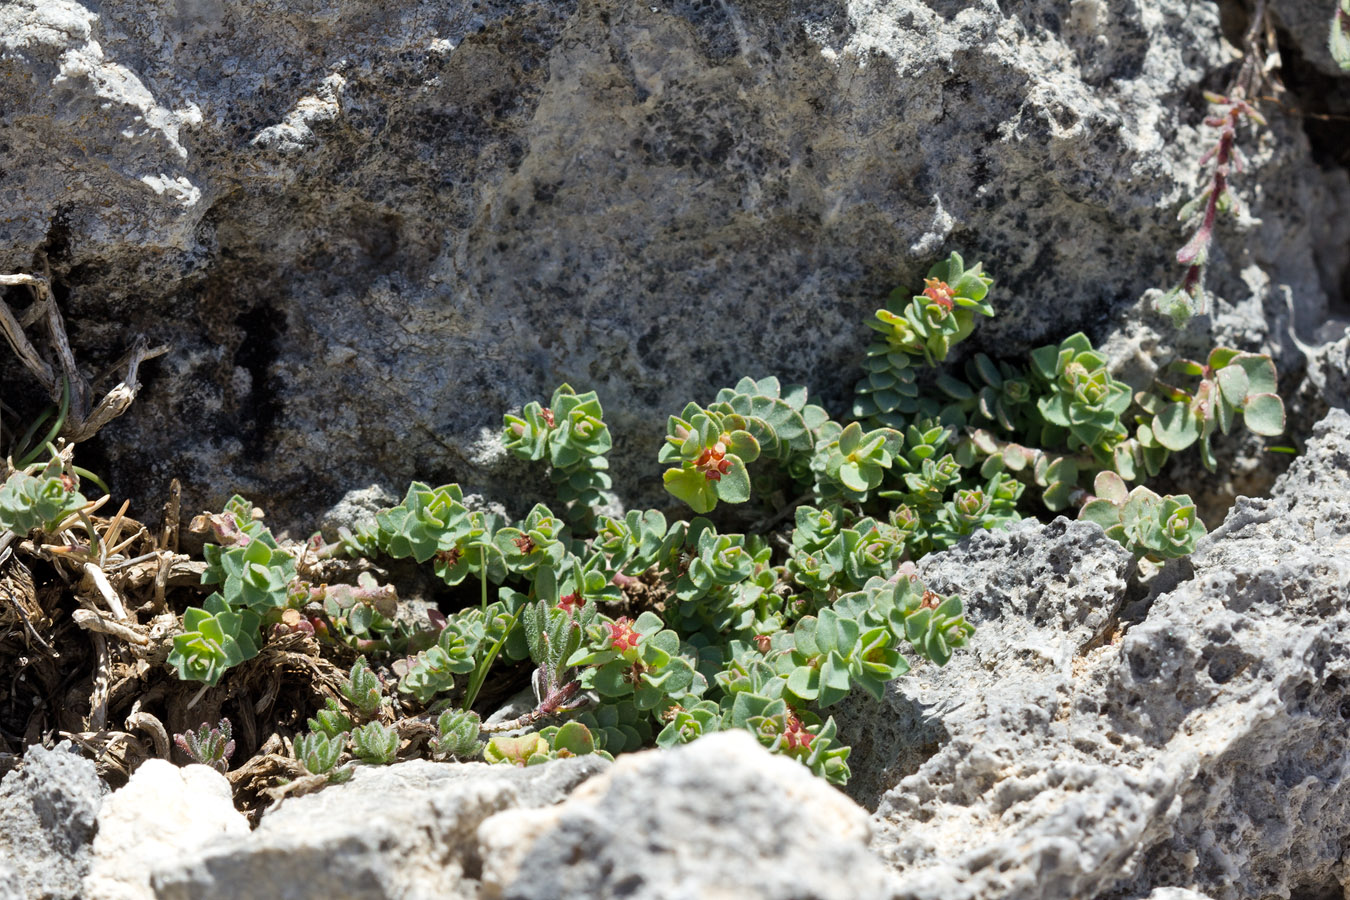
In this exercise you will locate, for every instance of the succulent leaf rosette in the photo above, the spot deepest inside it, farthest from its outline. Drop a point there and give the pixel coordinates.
(1082, 396)
(944, 313)
(712, 450)
(42, 500)
(213, 640)
(1153, 527)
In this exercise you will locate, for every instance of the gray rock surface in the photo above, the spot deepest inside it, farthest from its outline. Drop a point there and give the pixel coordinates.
(718, 819)
(1308, 25)
(1329, 373)
(369, 228)
(1039, 596)
(404, 831)
(1203, 747)
(163, 812)
(48, 812)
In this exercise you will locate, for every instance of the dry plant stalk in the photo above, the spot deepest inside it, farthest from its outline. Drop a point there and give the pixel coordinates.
(85, 417)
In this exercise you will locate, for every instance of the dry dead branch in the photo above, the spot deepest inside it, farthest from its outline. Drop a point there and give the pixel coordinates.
(84, 418)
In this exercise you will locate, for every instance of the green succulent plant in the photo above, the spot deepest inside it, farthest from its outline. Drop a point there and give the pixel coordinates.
(1231, 384)
(711, 450)
(554, 742)
(43, 498)
(208, 745)
(944, 313)
(320, 753)
(1081, 396)
(571, 433)
(636, 628)
(457, 735)
(375, 743)
(1153, 527)
(214, 639)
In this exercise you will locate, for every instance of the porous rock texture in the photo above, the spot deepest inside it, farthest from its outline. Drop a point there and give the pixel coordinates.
(1039, 594)
(1202, 745)
(48, 813)
(368, 228)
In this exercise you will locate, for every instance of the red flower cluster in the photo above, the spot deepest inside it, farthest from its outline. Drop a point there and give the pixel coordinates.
(622, 636)
(713, 463)
(796, 737)
(939, 293)
(570, 603)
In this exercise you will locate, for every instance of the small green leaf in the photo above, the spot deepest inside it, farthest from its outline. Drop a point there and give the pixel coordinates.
(1264, 414)
(734, 486)
(804, 682)
(1110, 486)
(691, 486)
(1233, 383)
(575, 739)
(850, 473)
(1176, 427)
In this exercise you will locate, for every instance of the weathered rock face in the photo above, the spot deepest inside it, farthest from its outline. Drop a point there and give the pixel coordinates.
(48, 812)
(406, 831)
(1041, 594)
(720, 818)
(1204, 746)
(367, 229)
(163, 813)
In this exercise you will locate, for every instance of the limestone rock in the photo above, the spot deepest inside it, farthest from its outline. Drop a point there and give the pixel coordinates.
(403, 831)
(1039, 596)
(163, 812)
(367, 229)
(1203, 747)
(48, 811)
(1329, 373)
(720, 818)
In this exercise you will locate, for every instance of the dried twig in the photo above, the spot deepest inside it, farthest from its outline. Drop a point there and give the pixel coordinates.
(112, 533)
(168, 539)
(98, 700)
(146, 722)
(95, 581)
(92, 620)
(28, 355)
(32, 632)
(89, 742)
(83, 420)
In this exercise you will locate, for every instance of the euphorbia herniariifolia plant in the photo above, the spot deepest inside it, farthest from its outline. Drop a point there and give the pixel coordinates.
(638, 628)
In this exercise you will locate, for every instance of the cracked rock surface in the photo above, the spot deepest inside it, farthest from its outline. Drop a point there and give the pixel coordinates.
(48, 815)
(1203, 747)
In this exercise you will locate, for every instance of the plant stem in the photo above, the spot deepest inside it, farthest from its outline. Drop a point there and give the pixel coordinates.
(480, 672)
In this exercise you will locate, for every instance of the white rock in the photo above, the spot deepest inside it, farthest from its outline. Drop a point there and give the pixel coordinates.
(163, 812)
